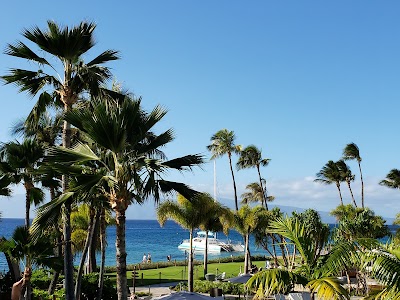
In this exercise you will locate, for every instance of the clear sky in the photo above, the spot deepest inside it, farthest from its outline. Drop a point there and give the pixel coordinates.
(299, 79)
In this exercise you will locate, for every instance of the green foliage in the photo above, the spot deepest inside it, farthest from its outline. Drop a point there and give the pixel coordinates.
(202, 286)
(6, 282)
(357, 223)
(38, 294)
(89, 287)
(40, 279)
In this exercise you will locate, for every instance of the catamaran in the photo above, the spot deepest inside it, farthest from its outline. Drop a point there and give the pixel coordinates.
(214, 245)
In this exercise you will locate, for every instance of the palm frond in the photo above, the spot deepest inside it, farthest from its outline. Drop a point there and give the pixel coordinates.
(328, 288)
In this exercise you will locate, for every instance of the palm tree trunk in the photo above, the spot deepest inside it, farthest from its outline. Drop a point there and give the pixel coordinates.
(206, 255)
(89, 238)
(103, 254)
(246, 255)
(262, 189)
(362, 185)
(351, 192)
(56, 274)
(68, 257)
(234, 183)
(340, 193)
(27, 208)
(190, 265)
(120, 245)
(92, 262)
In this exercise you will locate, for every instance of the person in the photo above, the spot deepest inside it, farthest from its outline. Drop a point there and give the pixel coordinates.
(19, 285)
(144, 258)
(168, 258)
(133, 296)
(148, 258)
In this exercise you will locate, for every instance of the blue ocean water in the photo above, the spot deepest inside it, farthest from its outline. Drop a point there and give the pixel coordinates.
(142, 237)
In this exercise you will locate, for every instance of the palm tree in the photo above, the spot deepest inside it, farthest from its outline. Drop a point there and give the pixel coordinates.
(347, 176)
(250, 157)
(245, 221)
(190, 214)
(255, 194)
(223, 142)
(329, 174)
(128, 169)
(20, 161)
(315, 274)
(392, 179)
(69, 81)
(350, 152)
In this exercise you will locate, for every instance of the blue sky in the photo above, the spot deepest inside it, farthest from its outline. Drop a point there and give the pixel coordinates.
(299, 79)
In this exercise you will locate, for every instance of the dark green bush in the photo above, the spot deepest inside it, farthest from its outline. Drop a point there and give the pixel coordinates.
(89, 287)
(40, 279)
(38, 294)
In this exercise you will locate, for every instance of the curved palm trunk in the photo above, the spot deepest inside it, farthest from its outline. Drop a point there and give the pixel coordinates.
(234, 183)
(264, 200)
(362, 185)
(89, 238)
(190, 265)
(122, 287)
(351, 192)
(27, 206)
(206, 255)
(92, 261)
(340, 193)
(103, 254)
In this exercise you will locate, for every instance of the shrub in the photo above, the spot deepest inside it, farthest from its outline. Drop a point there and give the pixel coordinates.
(40, 279)
(89, 287)
(201, 286)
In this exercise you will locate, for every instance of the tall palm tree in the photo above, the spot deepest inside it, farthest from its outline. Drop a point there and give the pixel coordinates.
(190, 214)
(68, 79)
(251, 157)
(352, 152)
(223, 142)
(130, 166)
(330, 174)
(255, 194)
(347, 176)
(392, 179)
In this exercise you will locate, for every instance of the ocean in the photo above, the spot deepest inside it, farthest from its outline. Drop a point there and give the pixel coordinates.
(142, 237)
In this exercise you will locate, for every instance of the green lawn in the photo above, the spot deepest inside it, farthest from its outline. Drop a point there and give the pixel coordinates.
(179, 273)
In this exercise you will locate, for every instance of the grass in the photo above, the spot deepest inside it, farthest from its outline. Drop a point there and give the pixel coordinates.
(179, 273)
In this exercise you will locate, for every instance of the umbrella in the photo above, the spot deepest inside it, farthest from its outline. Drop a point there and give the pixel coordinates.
(240, 279)
(183, 295)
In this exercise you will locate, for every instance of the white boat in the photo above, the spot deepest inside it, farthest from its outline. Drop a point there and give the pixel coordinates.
(214, 245)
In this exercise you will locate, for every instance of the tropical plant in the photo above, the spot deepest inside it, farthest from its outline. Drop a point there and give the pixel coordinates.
(20, 162)
(347, 177)
(128, 168)
(245, 221)
(223, 142)
(352, 152)
(68, 79)
(250, 157)
(392, 179)
(190, 214)
(330, 174)
(255, 194)
(355, 223)
(315, 274)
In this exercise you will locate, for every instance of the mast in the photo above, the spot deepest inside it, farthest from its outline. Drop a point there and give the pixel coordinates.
(215, 180)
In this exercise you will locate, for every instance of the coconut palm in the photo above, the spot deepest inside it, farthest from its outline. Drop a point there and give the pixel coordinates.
(330, 174)
(255, 194)
(347, 176)
(315, 274)
(352, 152)
(392, 179)
(190, 214)
(250, 157)
(245, 221)
(68, 79)
(223, 142)
(128, 169)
